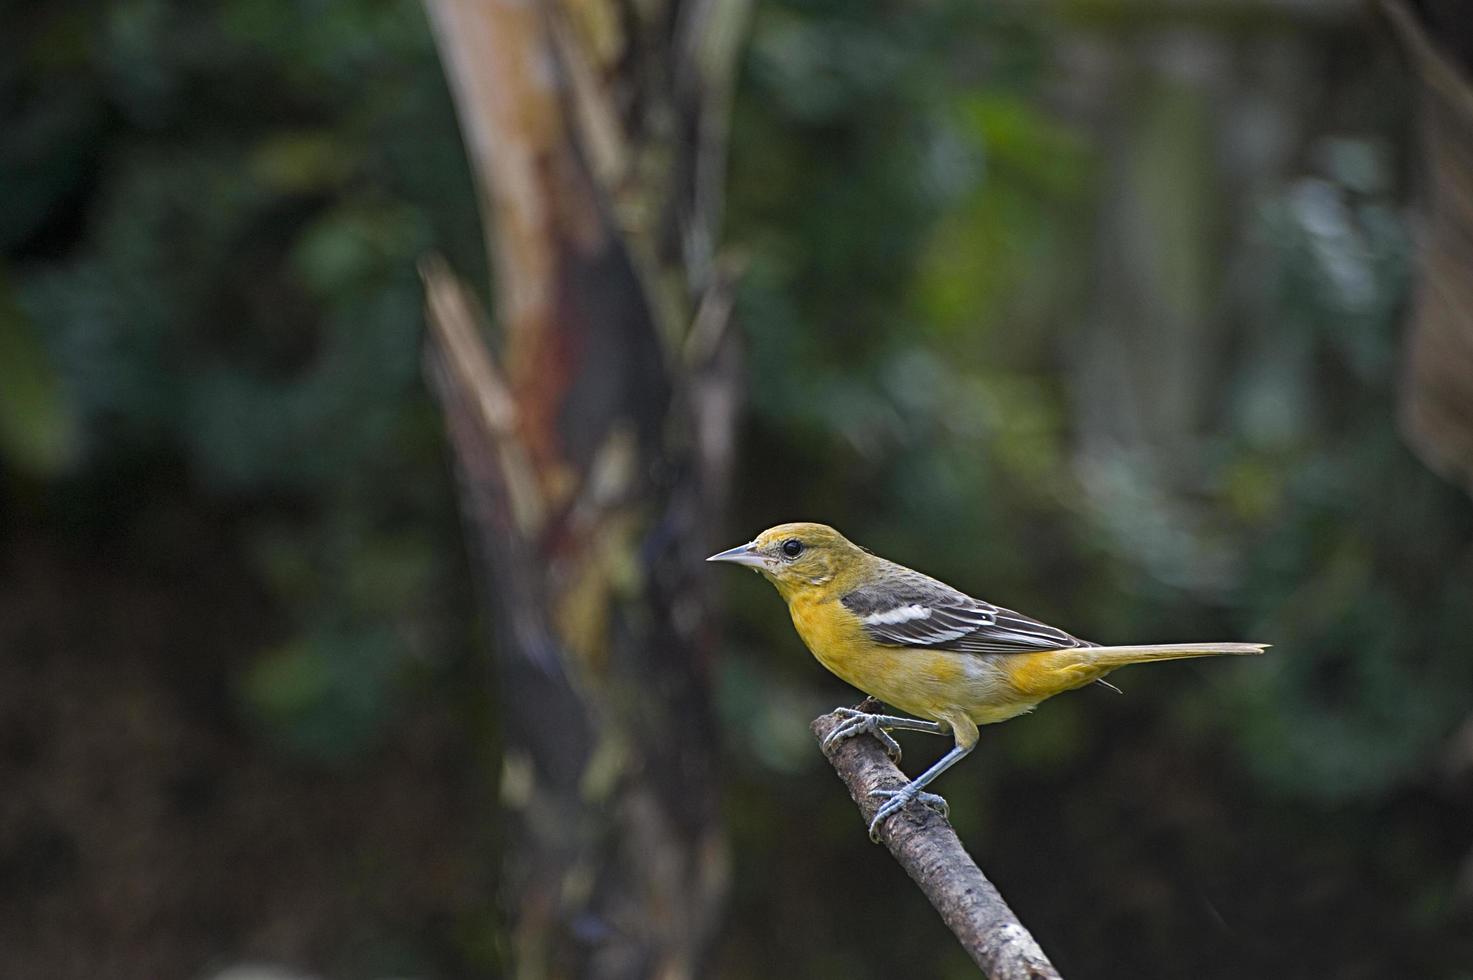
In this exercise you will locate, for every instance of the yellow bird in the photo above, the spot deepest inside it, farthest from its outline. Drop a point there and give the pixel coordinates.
(922, 646)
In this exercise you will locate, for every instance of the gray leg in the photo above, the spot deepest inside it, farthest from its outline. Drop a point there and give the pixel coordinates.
(898, 798)
(859, 722)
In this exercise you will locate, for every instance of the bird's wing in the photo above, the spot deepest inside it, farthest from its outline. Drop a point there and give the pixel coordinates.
(905, 608)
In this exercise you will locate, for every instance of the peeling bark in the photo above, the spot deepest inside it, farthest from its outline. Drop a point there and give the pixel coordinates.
(593, 451)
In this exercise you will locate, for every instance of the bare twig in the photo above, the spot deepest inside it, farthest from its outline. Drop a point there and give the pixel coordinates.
(930, 852)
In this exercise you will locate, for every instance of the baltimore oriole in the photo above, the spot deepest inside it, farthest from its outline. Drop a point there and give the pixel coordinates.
(922, 646)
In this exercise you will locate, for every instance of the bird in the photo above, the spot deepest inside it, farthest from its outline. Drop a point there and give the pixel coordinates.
(949, 661)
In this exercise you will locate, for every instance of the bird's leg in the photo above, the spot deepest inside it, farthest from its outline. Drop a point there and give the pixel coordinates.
(858, 722)
(898, 798)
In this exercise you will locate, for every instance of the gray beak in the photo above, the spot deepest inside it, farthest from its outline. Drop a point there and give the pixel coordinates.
(740, 555)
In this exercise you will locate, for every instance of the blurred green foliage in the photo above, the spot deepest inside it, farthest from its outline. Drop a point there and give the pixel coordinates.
(38, 432)
(214, 218)
(1052, 350)
(927, 243)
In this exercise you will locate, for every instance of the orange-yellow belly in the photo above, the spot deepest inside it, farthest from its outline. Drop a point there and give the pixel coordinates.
(941, 685)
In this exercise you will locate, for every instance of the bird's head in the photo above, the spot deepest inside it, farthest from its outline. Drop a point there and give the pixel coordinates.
(794, 556)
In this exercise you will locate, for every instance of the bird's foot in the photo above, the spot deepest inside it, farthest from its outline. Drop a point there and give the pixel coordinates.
(858, 722)
(896, 800)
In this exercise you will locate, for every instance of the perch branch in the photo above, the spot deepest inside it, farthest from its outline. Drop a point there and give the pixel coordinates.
(931, 853)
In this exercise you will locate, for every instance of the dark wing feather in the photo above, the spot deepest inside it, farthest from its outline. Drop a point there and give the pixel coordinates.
(1014, 632)
(905, 608)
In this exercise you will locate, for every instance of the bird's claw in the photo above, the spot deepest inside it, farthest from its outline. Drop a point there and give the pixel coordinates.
(858, 723)
(897, 800)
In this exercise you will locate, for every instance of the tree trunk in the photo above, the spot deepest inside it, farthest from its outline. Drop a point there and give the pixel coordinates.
(1437, 383)
(592, 455)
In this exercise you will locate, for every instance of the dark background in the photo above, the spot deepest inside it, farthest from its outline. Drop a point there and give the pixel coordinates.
(1092, 309)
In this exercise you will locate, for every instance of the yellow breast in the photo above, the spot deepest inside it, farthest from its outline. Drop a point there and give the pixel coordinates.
(936, 684)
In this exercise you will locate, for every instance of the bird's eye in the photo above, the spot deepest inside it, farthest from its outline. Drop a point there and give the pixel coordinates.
(792, 547)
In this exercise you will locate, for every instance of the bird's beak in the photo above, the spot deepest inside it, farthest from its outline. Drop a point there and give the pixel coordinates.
(742, 554)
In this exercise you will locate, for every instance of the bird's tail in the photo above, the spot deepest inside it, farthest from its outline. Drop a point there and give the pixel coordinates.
(1111, 657)
(1042, 675)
